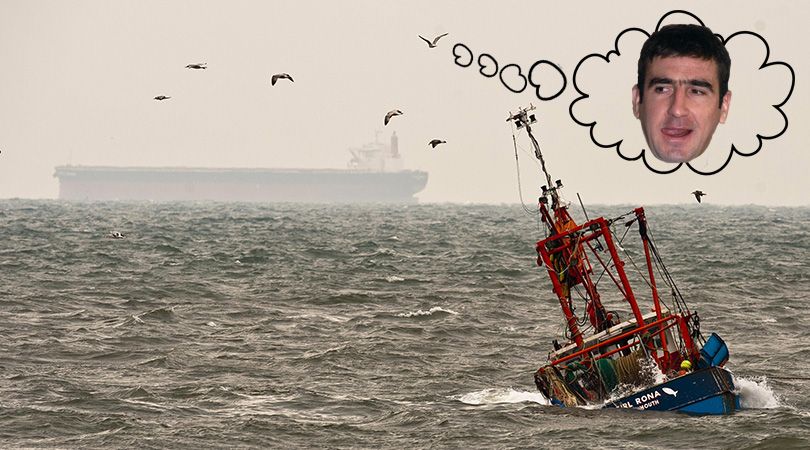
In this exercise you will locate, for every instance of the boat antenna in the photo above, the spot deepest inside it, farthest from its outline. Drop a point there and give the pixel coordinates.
(524, 119)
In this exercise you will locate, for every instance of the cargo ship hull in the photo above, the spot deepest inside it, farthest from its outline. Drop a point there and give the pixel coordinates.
(100, 183)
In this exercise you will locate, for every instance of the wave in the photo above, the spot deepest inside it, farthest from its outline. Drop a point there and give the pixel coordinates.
(494, 396)
(756, 394)
(438, 310)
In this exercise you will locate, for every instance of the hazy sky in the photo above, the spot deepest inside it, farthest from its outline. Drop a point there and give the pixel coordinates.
(77, 81)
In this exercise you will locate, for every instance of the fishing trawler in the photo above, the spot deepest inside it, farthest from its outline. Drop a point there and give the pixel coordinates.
(651, 357)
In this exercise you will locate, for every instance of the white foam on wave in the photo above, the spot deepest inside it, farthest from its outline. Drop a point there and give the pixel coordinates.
(493, 396)
(435, 309)
(393, 279)
(756, 394)
(330, 318)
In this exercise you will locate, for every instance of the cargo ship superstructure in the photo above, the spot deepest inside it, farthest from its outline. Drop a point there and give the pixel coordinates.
(374, 174)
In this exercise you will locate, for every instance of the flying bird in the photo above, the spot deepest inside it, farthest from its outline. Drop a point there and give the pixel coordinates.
(392, 113)
(435, 40)
(698, 194)
(436, 142)
(196, 66)
(162, 97)
(282, 76)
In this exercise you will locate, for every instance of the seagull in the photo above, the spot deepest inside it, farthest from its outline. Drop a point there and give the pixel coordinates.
(436, 142)
(196, 66)
(162, 97)
(435, 40)
(280, 75)
(698, 194)
(392, 113)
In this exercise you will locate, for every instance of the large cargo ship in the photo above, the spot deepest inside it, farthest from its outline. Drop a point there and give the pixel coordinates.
(374, 174)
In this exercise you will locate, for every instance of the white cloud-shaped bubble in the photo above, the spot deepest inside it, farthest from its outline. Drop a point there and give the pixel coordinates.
(513, 78)
(547, 79)
(759, 88)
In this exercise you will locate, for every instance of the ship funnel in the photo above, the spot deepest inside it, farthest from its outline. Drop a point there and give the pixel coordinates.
(394, 145)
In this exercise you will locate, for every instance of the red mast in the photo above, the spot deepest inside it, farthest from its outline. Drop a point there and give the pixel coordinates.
(562, 253)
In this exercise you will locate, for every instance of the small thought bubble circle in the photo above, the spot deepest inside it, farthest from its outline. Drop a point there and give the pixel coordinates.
(488, 67)
(513, 79)
(463, 55)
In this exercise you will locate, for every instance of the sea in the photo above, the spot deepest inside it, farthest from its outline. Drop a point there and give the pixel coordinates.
(237, 325)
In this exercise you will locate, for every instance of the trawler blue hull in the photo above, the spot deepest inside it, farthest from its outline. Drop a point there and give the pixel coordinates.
(705, 391)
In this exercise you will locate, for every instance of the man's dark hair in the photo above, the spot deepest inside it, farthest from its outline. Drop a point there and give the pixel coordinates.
(685, 40)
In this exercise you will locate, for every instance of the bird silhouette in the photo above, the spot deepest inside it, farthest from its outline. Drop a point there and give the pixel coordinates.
(698, 194)
(436, 142)
(197, 66)
(162, 97)
(432, 44)
(392, 113)
(278, 76)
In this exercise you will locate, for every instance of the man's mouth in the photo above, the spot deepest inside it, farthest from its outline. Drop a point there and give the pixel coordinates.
(676, 132)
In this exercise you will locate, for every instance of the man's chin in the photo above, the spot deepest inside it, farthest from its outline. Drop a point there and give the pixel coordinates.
(676, 155)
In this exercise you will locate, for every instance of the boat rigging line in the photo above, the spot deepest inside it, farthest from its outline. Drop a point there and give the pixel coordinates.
(583, 208)
(520, 188)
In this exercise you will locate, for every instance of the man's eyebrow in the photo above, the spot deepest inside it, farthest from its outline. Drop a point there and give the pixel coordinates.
(660, 80)
(693, 82)
(701, 83)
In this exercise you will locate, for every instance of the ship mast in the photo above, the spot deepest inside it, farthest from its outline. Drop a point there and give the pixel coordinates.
(562, 253)
(523, 119)
(561, 220)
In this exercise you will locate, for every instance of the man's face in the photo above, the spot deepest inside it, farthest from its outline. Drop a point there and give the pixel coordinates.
(681, 106)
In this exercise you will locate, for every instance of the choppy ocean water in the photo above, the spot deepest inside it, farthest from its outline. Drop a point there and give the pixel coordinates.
(284, 326)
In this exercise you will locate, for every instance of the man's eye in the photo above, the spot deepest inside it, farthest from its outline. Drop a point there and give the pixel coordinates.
(699, 92)
(660, 89)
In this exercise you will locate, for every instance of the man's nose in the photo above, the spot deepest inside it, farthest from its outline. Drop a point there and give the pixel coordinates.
(677, 105)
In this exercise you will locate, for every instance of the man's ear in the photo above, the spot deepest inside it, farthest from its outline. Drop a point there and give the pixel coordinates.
(637, 102)
(724, 105)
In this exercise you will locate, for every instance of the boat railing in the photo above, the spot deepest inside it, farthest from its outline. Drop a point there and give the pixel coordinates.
(642, 336)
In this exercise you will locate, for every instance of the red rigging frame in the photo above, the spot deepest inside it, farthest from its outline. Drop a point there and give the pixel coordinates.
(570, 254)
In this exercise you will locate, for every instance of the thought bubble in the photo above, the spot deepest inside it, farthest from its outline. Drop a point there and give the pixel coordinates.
(463, 55)
(487, 65)
(547, 79)
(513, 78)
(759, 87)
